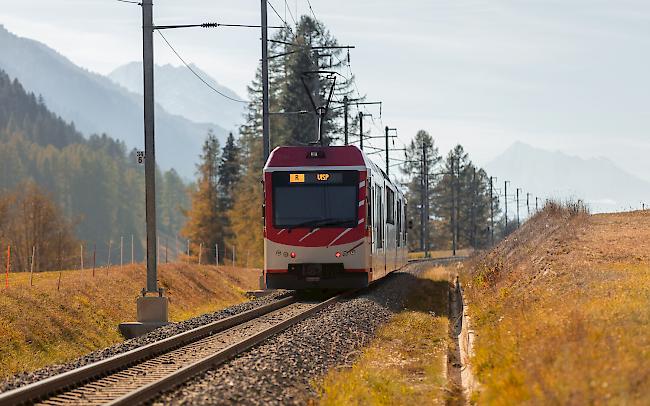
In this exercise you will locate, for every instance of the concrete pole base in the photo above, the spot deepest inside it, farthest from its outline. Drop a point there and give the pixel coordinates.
(152, 314)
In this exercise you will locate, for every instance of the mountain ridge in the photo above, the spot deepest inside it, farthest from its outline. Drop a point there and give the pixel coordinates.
(182, 93)
(598, 180)
(96, 105)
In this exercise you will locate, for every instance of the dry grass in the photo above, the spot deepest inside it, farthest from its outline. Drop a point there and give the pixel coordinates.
(561, 309)
(40, 325)
(465, 252)
(404, 364)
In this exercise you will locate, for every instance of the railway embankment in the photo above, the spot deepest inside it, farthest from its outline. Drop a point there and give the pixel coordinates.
(71, 321)
(560, 310)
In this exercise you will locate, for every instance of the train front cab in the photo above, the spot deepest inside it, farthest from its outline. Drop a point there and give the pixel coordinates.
(319, 233)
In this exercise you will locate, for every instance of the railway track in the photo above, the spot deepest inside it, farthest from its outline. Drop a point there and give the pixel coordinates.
(141, 374)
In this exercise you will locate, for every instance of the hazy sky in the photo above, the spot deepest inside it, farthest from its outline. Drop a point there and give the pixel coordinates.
(570, 75)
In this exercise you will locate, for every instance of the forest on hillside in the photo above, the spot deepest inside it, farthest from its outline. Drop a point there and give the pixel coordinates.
(95, 181)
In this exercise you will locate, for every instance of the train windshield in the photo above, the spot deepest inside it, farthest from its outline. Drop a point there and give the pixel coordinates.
(315, 199)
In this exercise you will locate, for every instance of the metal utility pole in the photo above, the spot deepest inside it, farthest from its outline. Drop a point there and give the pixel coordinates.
(518, 222)
(149, 145)
(453, 207)
(491, 211)
(426, 200)
(505, 199)
(473, 211)
(266, 122)
(387, 152)
(422, 198)
(345, 117)
(152, 312)
(536, 203)
(388, 130)
(361, 130)
(528, 203)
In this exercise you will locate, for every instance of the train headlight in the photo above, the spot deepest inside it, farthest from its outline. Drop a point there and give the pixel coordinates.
(293, 255)
(338, 255)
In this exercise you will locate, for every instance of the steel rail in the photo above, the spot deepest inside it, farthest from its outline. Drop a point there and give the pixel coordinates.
(171, 381)
(73, 378)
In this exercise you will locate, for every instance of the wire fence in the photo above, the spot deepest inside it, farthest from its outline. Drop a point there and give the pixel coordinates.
(116, 254)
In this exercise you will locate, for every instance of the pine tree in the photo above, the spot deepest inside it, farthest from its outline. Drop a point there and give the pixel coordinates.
(229, 171)
(463, 195)
(301, 129)
(413, 168)
(205, 218)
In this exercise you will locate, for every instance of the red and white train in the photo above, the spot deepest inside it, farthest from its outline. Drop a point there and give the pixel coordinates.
(332, 219)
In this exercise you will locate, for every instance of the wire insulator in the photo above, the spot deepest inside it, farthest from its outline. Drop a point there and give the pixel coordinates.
(210, 25)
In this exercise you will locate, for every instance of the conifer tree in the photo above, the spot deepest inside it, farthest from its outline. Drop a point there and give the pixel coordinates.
(229, 171)
(414, 170)
(205, 218)
(301, 129)
(463, 194)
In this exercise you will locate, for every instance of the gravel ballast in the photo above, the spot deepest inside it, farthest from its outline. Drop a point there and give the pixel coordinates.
(127, 345)
(283, 369)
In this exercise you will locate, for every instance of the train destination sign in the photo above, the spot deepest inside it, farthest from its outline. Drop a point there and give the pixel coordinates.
(313, 178)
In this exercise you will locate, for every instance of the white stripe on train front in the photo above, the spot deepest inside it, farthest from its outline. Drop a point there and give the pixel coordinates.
(339, 237)
(362, 184)
(308, 234)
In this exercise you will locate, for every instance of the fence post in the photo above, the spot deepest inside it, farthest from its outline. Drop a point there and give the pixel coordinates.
(121, 253)
(166, 249)
(82, 256)
(110, 246)
(200, 252)
(216, 254)
(94, 258)
(175, 248)
(8, 266)
(233, 256)
(188, 250)
(31, 267)
(132, 250)
(58, 284)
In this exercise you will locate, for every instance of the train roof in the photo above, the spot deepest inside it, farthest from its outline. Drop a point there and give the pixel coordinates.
(332, 157)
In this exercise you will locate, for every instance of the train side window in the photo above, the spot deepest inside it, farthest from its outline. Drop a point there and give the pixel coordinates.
(369, 201)
(398, 233)
(390, 206)
(380, 218)
(405, 223)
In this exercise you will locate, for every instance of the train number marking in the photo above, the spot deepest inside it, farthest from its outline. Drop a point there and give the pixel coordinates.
(297, 178)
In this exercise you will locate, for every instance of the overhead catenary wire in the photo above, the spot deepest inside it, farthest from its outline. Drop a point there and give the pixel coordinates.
(287, 8)
(199, 76)
(279, 16)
